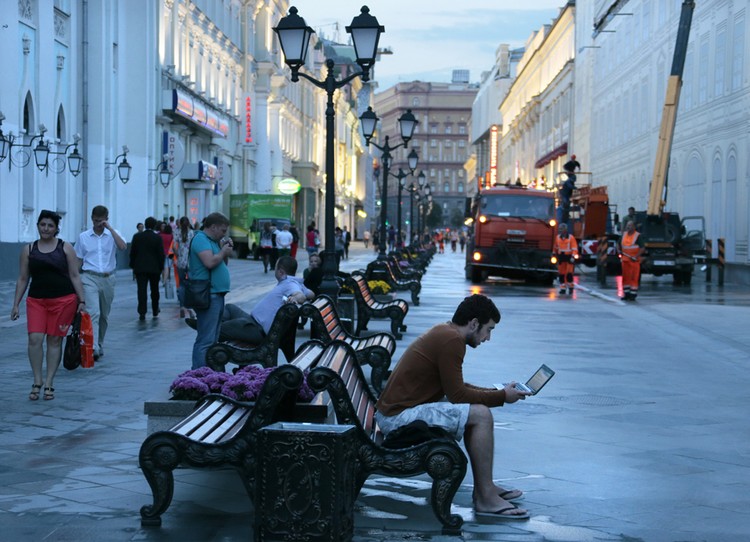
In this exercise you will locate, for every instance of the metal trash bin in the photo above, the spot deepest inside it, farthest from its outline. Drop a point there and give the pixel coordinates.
(347, 310)
(305, 484)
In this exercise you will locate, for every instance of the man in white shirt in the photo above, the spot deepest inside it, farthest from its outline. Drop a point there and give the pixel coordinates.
(97, 251)
(284, 240)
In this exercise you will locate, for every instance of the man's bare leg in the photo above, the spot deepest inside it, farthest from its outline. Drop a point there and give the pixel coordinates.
(480, 444)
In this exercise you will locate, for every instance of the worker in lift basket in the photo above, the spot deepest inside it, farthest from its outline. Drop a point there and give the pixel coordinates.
(566, 253)
(631, 250)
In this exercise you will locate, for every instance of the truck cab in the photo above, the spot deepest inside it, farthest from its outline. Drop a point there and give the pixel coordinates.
(513, 234)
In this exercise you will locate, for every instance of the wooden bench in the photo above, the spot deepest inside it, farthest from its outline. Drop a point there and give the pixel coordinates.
(221, 432)
(381, 270)
(281, 336)
(441, 458)
(404, 269)
(375, 350)
(368, 308)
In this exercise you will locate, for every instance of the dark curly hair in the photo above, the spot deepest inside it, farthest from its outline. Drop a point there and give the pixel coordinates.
(476, 306)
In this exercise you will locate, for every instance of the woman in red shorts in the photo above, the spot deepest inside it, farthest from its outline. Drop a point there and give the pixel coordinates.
(55, 294)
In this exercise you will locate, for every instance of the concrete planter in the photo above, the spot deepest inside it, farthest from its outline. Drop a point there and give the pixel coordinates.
(162, 415)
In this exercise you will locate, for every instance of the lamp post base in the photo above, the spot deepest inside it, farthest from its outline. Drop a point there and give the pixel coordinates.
(329, 285)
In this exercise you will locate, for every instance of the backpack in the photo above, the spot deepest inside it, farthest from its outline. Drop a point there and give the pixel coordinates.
(183, 250)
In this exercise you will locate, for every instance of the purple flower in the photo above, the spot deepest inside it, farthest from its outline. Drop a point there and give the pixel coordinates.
(188, 388)
(215, 381)
(242, 388)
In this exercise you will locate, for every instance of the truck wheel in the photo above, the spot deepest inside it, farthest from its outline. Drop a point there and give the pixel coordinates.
(475, 274)
(601, 274)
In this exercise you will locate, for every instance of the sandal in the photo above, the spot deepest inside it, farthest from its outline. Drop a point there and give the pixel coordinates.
(49, 393)
(34, 395)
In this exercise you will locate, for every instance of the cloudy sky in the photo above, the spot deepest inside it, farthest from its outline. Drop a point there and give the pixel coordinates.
(430, 38)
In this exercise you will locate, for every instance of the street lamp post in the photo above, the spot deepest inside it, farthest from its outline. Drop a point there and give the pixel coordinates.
(413, 192)
(294, 37)
(407, 123)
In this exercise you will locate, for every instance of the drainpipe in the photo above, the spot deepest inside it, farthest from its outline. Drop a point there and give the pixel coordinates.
(85, 111)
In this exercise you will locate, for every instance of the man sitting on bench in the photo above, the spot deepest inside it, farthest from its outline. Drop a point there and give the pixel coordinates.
(252, 328)
(432, 369)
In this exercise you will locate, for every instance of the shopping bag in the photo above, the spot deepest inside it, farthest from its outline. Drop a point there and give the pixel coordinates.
(169, 285)
(87, 341)
(72, 350)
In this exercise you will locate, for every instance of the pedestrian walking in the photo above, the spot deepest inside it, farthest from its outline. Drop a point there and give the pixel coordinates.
(97, 249)
(366, 238)
(432, 369)
(266, 245)
(391, 238)
(167, 238)
(346, 238)
(462, 241)
(147, 262)
(631, 248)
(284, 240)
(566, 253)
(338, 245)
(56, 292)
(295, 240)
(182, 247)
(311, 240)
(209, 253)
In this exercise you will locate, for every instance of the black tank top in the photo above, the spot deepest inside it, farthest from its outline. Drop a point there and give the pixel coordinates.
(49, 272)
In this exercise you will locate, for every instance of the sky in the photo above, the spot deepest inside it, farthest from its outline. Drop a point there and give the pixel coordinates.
(430, 38)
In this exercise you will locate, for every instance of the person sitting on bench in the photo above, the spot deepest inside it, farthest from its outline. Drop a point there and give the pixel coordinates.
(252, 328)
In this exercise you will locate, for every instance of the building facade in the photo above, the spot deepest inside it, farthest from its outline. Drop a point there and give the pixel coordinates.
(195, 88)
(441, 140)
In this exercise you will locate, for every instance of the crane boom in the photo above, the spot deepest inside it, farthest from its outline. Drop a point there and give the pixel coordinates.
(658, 195)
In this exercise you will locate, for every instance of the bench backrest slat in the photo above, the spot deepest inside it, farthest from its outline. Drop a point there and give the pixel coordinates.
(307, 356)
(229, 427)
(196, 418)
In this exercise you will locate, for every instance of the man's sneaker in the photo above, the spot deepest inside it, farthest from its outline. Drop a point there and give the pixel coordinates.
(570, 290)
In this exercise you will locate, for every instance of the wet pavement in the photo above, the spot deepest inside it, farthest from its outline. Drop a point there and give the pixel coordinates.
(642, 435)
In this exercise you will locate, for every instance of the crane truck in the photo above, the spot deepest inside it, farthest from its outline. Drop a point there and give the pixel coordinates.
(669, 247)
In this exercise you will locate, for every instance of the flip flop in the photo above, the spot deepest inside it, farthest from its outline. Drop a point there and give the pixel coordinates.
(500, 514)
(506, 495)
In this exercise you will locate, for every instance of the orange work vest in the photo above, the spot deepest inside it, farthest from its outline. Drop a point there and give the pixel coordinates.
(566, 246)
(629, 244)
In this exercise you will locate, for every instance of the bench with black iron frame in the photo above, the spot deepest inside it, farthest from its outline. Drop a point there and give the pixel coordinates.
(441, 458)
(368, 307)
(375, 350)
(221, 432)
(281, 336)
(382, 270)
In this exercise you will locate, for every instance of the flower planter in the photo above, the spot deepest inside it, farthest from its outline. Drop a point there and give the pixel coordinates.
(163, 415)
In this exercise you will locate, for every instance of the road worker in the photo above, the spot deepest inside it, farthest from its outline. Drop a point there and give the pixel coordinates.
(631, 250)
(566, 253)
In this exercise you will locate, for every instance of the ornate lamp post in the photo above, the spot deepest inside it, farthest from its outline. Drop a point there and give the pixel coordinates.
(294, 37)
(407, 123)
(413, 193)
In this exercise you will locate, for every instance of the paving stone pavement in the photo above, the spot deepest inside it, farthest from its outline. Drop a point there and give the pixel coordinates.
(632, 440)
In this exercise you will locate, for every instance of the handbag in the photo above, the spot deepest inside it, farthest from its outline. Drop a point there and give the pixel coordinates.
(72, 350)
(197, 294)
(197, 291)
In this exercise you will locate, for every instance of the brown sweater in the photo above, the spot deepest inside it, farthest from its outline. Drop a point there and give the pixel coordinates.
(430, 369)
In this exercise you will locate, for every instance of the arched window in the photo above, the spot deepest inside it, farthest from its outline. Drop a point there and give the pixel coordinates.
(460, 188)
(415, 102)
(447, 187)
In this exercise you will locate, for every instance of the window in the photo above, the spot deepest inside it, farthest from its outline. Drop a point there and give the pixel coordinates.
(448, 129)
(433, 128)
(738, 48)
(460, 187)
(415, 102)
(720, 62)
(461, 144)
(447, 173)
(447, 143)
(432, 173)
(447, 187)
(460, 173)
(433, 143)
(703, 75)
(462, 129)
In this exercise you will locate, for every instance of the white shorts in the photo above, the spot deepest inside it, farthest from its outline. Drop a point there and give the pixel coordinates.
(448, 416)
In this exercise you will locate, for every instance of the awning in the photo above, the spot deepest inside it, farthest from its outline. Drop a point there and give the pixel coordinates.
(547, 158)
